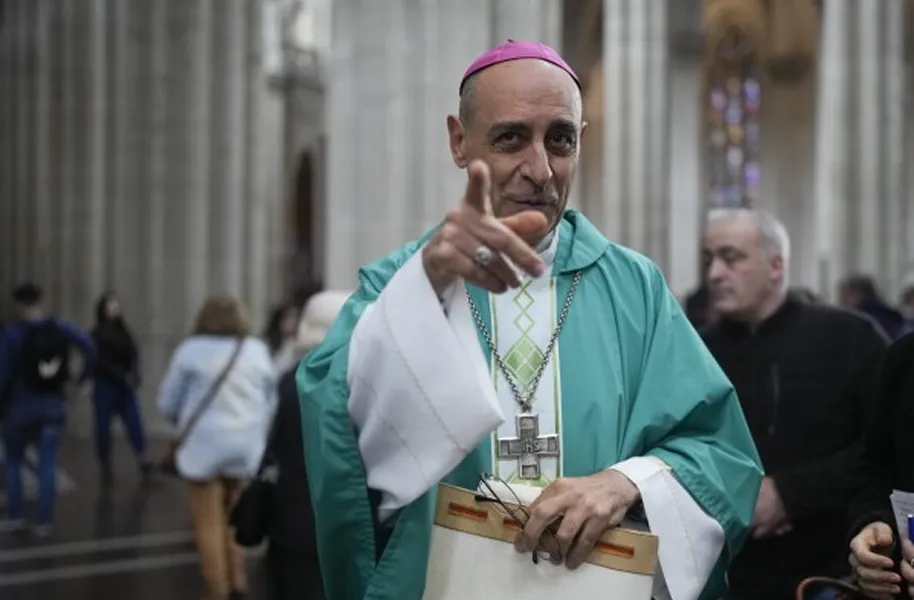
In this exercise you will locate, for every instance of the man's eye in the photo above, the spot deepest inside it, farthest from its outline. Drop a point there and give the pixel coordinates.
(562, 139)
(509, 137)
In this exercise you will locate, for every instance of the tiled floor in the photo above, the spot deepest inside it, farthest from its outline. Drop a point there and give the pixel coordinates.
(131, 541)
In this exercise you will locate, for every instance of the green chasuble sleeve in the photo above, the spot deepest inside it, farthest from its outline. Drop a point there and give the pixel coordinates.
(360, 558)
(688, 415)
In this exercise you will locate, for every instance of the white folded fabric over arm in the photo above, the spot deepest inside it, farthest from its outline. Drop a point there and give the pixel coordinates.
(419, 389)
(690, 540)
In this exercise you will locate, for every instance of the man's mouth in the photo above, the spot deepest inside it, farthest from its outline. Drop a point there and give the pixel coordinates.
(533, 202)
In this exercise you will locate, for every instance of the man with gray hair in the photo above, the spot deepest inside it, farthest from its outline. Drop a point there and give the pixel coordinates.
(802, 372)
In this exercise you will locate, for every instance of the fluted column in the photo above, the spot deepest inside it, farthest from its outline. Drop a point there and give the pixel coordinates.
(8, 74)
(634, 209)
(895, 168)
(146, 156)
(832, 157)
(907, 212)
(687, 193)
(860, 180)
(532, 20)
(394, 75)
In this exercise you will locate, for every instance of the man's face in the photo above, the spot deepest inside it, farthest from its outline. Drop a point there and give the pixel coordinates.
(741, 276)
(527, 127)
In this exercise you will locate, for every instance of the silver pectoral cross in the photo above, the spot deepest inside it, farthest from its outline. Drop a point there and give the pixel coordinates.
(529, 446)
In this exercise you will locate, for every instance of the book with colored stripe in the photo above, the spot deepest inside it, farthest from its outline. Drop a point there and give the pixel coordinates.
(472, 556)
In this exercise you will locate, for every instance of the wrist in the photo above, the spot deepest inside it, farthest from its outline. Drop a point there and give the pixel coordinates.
(624, 486)
(439, 281)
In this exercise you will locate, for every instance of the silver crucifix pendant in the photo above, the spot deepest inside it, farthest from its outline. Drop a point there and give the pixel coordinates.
(529, 446)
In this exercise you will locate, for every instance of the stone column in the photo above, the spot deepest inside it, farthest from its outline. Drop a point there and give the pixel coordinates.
(533, 20)
(393, 78)
(907, 216)
(895, 168)
(832, 159)
(635, 209)
(146, 157)
(866, 66)
(687, 208)
(8, 81)
(860, 200)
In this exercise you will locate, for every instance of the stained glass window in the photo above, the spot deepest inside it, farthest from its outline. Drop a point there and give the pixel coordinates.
(733, 169)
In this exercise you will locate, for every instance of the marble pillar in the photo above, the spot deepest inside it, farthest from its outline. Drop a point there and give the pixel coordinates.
(832, 156)
(861, 197)
(631, 205)
(687, 188)
(146, 157)
(393, 79)
(535, 20)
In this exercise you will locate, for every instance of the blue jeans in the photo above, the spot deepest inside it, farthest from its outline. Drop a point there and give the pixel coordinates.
(111, 399)
(16, 439)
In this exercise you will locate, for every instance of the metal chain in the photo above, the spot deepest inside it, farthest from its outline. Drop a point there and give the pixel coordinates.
(521, 399)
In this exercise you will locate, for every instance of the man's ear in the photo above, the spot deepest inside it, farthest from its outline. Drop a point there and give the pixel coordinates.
(456, 138)
(778, 265)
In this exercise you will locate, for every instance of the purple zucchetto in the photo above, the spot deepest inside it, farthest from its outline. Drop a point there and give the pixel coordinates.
(512, 50)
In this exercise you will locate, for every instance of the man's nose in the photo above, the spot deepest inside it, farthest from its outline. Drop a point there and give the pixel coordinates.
(715, 271)
(536, 165)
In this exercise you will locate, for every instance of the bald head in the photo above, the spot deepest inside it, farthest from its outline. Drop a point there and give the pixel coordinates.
(523, 118)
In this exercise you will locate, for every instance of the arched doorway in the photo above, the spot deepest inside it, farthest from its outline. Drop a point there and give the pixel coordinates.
(303, 278)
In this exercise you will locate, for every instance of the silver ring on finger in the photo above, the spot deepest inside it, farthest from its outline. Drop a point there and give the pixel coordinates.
(483, 256)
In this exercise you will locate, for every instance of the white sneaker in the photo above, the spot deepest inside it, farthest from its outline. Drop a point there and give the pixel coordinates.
(42, 531)
(13, 526)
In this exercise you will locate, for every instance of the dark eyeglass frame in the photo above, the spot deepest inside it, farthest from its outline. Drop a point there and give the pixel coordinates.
(519, 514)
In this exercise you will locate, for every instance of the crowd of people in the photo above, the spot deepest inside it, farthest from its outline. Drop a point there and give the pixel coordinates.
(229, 394)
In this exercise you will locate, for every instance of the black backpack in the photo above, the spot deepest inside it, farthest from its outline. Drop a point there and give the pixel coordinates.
(44, 358)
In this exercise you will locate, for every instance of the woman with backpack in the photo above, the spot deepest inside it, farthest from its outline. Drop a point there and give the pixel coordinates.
(117, 379)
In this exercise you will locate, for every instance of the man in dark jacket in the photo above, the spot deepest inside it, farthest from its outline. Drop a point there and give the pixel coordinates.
(803, 373)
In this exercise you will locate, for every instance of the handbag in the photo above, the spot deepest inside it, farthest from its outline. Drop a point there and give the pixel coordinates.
(168, 464)
(848, 591)
(251, 514)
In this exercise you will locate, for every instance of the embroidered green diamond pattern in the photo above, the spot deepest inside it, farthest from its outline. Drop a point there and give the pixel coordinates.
(525, 357)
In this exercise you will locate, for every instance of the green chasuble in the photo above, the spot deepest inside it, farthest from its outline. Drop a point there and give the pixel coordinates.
(635, 380)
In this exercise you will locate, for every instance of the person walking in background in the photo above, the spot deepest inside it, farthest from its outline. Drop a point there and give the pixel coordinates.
(280, 335)
(35, 372)
(117, 378)
(220, 382)
(881, 555)
(292, 555)
(859, 292)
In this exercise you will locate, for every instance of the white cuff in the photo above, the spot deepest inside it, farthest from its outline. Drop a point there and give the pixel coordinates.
(690, 540)
(419, 397)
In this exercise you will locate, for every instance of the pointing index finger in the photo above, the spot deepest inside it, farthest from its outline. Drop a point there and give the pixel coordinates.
(479, 187)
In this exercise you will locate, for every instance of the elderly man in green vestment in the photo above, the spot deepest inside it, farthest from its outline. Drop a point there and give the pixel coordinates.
(515, 318)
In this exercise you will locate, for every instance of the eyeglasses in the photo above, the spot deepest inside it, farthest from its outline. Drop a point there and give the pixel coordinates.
(518, 514)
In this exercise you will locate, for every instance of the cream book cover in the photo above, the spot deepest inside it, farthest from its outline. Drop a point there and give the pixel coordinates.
(473, 556)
